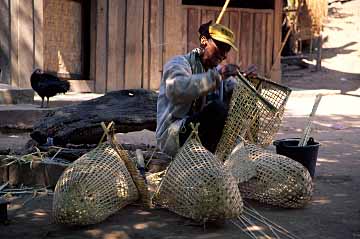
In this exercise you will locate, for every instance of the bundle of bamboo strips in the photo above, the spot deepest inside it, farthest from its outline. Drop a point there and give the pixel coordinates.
(311, 18)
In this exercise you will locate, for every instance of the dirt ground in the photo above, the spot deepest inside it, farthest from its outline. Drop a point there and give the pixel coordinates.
(334, 211)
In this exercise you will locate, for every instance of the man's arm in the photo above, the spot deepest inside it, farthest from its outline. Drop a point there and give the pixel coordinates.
(182, 85)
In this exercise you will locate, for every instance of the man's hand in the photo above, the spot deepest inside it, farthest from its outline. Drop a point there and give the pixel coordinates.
(216, 76)
(251, 71)
(228, 70)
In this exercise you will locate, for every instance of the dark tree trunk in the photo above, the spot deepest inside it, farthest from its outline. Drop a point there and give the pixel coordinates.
(131, 110)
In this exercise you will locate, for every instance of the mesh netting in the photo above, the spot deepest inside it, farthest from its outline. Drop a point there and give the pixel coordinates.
(254, 113)
(93, 187)
(267, 123)
(278, 181)
(130, 163)
(239, 165)
(246, 104)
(196, 185)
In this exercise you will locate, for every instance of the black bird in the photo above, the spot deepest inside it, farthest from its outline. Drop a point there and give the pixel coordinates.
(47, 85)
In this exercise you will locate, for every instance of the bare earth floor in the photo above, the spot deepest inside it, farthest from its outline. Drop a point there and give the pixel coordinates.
(334, 211)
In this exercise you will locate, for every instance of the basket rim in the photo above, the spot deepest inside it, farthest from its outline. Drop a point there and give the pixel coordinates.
(267, 80)
(259, 96)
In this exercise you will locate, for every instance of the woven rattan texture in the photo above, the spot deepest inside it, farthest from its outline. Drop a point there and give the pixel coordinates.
(243, 108)
(279, 180)
(267, 123)
(196, 185)
(139, 181)
(275, 93)
(239, 164)
(93, 187)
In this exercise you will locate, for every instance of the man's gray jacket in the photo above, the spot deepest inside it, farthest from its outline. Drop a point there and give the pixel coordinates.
(184, 80)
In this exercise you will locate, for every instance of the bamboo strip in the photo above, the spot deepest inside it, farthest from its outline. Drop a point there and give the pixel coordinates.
(222, 12)
(305, 137)
(274, 225)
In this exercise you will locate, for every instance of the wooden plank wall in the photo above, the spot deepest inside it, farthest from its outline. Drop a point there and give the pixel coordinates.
(129, 44)
(26, 51)
(253, 29)
(174, 29)
(131, 40)
(14, 44)
(22, 43)
(101, 46)
(93, 27)
(116, 44)
(276, 66)
(155, 40)
(134, 44)
(22, 34)
(135, 38)
(38, 33)
(4, 41)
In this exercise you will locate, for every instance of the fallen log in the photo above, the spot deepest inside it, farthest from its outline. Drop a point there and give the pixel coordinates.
(131, 110)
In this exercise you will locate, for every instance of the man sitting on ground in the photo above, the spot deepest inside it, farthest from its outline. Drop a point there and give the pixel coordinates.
(195, 89)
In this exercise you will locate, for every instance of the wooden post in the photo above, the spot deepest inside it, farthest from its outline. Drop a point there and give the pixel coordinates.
(319, 52)
(101, 46)
(39, 33)
(4, 42)
(14, 43)
(93, 30)
(26, 43)
(276, 69)
(134, 44)
(146, 56)
(155, 44)
(269, 43)
(116, 45)
(161, 34)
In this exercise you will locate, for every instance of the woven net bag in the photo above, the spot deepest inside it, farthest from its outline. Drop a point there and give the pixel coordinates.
(267, 122)
(239, 165)
(197, 186)
(273, 179)
(246, 105)
(93, 187)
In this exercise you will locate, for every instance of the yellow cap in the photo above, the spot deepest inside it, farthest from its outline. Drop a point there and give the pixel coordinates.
(221, 33)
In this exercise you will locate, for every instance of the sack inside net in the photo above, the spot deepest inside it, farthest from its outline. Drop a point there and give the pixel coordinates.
(270, 178)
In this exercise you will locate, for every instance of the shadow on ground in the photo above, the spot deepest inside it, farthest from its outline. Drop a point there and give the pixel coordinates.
(334, 211)
(325, 79)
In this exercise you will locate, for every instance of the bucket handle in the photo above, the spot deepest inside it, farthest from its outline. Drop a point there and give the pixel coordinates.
(278, 142)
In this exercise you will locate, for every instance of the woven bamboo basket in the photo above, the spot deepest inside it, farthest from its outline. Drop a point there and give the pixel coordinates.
(93, 187)
(246, 106)
(266, 123)
(277, 180)
(239, 165)
(196, 185)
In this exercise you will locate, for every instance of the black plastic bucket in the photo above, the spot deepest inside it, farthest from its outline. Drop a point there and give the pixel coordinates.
(306, 155)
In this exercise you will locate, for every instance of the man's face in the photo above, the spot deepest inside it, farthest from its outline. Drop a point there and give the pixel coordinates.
(215, 52)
